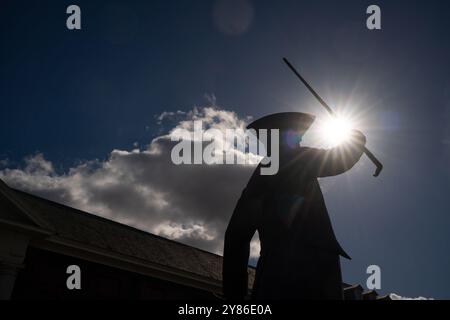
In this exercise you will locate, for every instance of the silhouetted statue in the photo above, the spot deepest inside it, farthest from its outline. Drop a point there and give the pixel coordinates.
(299, 256)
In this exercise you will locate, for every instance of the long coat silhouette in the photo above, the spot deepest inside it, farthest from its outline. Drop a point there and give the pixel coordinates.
(299, 256)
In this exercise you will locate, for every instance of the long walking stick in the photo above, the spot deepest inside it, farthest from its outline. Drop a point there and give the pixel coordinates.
(370, 155)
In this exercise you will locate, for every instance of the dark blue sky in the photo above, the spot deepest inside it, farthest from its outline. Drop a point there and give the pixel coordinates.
(76, 95)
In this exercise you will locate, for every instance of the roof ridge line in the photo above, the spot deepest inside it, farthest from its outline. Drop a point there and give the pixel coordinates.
(98, 217)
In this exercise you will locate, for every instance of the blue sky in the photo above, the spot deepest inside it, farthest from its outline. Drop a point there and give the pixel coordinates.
(75, 96)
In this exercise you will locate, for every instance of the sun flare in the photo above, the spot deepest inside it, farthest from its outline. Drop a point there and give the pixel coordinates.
(336, 130)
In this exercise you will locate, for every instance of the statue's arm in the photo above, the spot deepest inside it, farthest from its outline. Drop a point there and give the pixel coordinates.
(337, 160)
(238, 235)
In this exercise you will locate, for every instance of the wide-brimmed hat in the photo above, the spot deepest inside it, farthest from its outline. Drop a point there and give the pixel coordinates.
(296, 121)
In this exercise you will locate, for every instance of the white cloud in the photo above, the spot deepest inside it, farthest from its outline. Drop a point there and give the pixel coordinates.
(143, 188)
(177, 231)
(255, 247)
(394, 296)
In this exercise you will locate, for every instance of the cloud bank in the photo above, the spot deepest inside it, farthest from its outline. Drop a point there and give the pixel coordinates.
(143, 188)
(394, 296)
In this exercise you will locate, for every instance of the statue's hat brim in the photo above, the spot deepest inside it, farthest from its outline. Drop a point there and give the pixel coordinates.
(297, 121)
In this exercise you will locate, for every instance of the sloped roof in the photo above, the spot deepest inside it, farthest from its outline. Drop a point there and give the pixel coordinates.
(84, 228)
(13, 209)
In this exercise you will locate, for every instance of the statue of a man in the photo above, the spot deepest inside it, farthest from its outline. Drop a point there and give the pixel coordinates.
(299, 256)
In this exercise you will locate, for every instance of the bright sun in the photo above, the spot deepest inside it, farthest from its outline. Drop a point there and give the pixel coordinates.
(336, 130)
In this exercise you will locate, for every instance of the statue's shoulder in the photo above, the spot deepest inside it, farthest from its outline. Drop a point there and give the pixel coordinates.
(258, 184)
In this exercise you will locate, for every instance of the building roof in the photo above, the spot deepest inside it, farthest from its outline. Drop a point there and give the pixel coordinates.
(66, 226)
